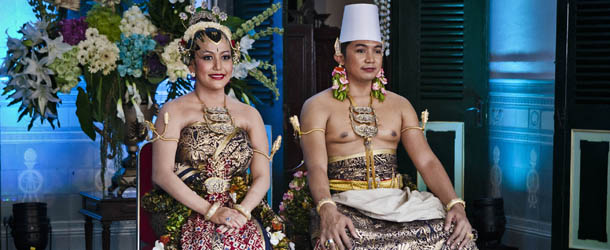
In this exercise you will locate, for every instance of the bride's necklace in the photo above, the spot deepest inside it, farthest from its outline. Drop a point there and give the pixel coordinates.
(217, 119)
(364, 124)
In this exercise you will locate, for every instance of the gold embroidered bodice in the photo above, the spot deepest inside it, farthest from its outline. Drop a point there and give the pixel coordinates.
(197, 145)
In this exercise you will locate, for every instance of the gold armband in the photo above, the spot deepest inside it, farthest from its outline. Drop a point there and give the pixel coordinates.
(324, 201)
(161, 136)
(243, 211)
(262, 153)
(313, 130)
(212, 211)
(294, 121)
(407, 128)
(455, 202)
(424, 120)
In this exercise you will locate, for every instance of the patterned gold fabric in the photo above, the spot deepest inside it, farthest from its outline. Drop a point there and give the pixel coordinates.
(196, 147)
(354, 168)
(381, 234)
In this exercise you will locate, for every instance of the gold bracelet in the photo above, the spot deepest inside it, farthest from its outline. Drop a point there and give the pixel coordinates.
(243, 211)
(454, 202)
(324, 201)
(212, 211)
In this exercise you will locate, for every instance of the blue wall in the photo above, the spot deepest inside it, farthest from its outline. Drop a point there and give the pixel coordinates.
(521, 105)
(273, 114)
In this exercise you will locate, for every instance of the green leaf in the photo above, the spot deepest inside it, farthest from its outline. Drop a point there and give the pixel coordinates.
(83, 112)
(233, 22)
(98, 98)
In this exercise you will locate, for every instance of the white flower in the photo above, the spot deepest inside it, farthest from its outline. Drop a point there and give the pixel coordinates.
(119, 110)
(91, 32)
(135, 22)
(276, 237)
(190, 9)
(223, 16)
(215, 10)
(15, 48)
(98, 52)
(36, 68)
(241, 70)
(171, 57)
(245, 43)
(44, 94)
(135, 99)
(174, 1)
(35, 31)
(291, 245)
(158, 244)
(22, 88)
(55, 48)
(183, 16)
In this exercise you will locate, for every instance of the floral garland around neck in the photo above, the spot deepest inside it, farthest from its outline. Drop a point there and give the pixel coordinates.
(340, 84)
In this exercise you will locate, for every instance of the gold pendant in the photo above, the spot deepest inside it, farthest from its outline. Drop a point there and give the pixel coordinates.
(365, 130)
(362, 110)
(216, 185)
(364, 118)
(219, 117)
(221, 128)
(216, 110)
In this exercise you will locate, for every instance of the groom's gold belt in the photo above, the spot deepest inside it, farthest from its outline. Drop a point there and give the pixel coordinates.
(345, 185)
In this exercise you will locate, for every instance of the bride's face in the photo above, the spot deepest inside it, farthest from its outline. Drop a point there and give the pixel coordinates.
(212, 63)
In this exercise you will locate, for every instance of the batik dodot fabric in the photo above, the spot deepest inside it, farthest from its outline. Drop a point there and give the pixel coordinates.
(382, 234)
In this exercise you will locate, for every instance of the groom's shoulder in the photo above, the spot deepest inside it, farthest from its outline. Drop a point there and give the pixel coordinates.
(322, 98)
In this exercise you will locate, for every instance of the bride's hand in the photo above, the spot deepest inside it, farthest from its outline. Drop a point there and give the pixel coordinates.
(230, 218)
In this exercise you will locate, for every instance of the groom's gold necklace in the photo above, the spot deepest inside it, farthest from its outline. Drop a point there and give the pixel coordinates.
(364, 124)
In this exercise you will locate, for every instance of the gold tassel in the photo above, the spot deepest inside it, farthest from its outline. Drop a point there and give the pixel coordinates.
(276, 146)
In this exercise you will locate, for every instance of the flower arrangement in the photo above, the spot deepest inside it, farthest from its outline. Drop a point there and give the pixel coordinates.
(175, 214)
(295, 208)
(121, 53)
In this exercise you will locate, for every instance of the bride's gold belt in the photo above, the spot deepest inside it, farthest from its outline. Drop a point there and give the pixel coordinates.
(216, 185)
(345, 185)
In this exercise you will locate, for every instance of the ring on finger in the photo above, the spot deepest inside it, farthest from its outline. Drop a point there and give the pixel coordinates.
(471, 236)
(228, 219)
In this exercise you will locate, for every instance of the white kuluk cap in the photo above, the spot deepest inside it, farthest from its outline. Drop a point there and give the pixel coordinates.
(360, 22)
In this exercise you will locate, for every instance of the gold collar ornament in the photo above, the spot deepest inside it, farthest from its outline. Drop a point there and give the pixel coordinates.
(364, 124)
(217, 119)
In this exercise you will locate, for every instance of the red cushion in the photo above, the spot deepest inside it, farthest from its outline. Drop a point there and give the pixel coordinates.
(147, 235)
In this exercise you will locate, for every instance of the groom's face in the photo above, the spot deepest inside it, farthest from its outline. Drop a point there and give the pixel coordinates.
(363, 60)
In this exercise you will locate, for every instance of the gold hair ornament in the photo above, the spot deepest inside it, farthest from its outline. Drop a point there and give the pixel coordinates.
(338, 47)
